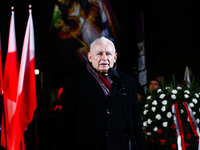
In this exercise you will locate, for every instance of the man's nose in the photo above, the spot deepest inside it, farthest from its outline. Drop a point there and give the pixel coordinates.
(104, 56)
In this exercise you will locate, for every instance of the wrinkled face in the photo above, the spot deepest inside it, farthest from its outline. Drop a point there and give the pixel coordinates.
(102, 56)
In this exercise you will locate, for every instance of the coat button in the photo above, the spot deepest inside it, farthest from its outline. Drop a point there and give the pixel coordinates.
(107, 133)
(108, 111)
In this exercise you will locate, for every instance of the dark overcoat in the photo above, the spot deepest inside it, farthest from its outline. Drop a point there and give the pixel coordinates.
(93, 122)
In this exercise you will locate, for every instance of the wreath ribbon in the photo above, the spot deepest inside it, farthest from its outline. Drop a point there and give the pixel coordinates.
(179, 127)
(192, 121)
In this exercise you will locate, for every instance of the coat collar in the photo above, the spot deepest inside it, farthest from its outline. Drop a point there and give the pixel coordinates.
(95, 85)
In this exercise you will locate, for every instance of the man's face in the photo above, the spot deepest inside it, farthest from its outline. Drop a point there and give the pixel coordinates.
(102, 56)
(154, 85)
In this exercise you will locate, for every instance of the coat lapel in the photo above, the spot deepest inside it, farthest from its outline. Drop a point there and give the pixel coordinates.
(113, 93)
(95, 85)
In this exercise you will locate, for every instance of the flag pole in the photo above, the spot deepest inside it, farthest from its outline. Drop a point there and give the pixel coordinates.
(4, 118)
(35, 112)
(2, 95)
(36, 138)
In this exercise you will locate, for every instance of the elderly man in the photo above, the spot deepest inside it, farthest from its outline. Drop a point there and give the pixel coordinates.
(96, 115)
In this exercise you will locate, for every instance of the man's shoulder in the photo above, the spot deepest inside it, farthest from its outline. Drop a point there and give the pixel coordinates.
(125, 75)
(76, 75)
(126, 78)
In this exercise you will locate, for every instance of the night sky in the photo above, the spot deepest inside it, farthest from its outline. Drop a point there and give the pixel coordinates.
(171, 31)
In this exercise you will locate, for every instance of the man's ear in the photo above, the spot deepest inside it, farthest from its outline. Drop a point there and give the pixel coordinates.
(89, 57)
(115, 57)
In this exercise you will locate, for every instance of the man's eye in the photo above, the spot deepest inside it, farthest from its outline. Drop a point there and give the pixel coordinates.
(100, 53)
(108, 54)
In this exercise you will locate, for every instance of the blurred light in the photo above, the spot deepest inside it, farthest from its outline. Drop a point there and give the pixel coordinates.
(37, 71)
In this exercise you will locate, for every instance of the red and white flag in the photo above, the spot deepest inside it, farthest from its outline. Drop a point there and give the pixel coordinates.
(26, 91)
(10, 87)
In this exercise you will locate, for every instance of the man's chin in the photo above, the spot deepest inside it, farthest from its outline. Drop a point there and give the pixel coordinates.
(104, 72)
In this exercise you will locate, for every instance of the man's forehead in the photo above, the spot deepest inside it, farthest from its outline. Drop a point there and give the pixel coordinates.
(103, 47)
(154, 81)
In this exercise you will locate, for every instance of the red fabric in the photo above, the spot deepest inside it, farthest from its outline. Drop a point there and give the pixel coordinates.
(21, 103)
(10, 88)
(105, 81)
(26, 104)
(190, 119)
(57, 107)
(26, 90)
(60, 91)
(180, 126)
(11, 76)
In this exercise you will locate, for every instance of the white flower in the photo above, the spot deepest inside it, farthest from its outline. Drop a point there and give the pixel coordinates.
(167, 88)
(159, 90)
(186, 95)
(182, 111)
(146, 105)
(164, 102)
(163, 108)
(179, 87)
(169, 115)
(165, 124)
(154, 102)
(191, 104)
(145, 124)
(145, 111)
(148, 133)
(173, 96)
(197, 120)
(162, 96)
(194, 100)
(187, 92)
(155, 129)
(149, 97)
(149, 121)
(158, 116)
(174, 91)
(194, 113)
(153, 109)
(197, 96)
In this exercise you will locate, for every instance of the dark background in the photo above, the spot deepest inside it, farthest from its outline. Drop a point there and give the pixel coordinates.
(171, 31)
(171, 36)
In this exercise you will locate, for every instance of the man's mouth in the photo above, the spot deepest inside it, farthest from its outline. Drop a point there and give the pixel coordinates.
(104, 64)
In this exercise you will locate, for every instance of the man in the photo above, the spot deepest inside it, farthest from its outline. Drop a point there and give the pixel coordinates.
(154, 84)
(94, 114)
